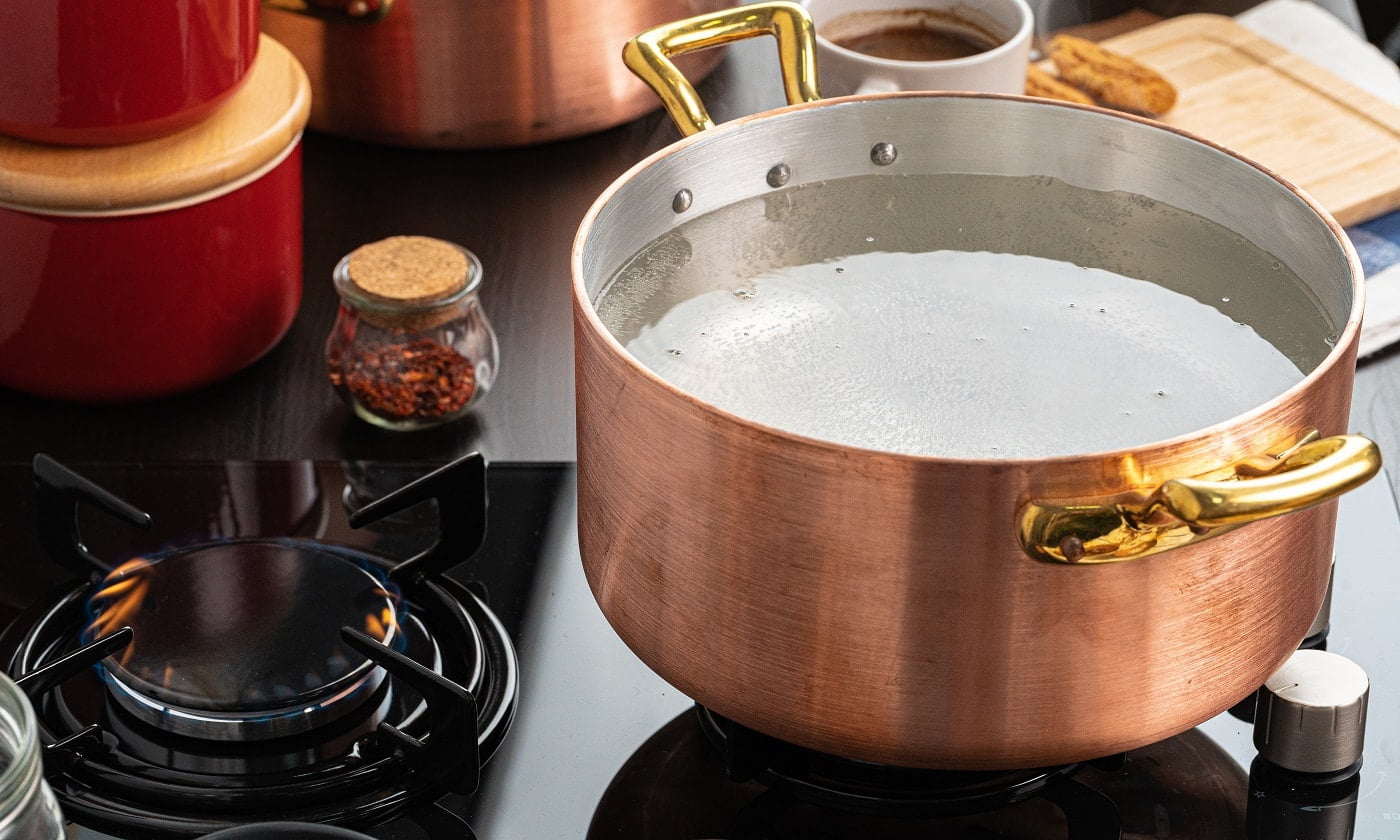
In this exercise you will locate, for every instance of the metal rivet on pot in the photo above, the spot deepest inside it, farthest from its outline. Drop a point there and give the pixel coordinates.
(779, 175)
(883, 154)
(681, 202)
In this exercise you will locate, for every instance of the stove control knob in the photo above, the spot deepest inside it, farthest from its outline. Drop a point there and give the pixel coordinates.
(1311, 716)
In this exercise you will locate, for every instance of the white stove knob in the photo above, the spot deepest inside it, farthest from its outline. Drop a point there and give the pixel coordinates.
(1311, 716)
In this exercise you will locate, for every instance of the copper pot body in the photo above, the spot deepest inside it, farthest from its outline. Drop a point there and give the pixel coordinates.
(472, 74)
(880, 606)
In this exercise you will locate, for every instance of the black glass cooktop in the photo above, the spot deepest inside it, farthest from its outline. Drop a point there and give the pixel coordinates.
(602, 748)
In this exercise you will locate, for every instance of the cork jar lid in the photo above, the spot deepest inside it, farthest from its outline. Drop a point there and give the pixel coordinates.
(408, 269)
(408, 282)
(252, 132)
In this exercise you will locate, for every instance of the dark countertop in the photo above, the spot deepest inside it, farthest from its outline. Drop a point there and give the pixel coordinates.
(518, 209)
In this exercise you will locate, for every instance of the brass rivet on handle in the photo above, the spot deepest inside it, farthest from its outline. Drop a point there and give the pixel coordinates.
(682, 201)
(1072, 548)
(883, 154)
(779, 175)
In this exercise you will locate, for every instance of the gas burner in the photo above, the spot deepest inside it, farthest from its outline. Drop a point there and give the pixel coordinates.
(208, 686)
(861, 787)
(431, 822)
(284, 603)
(706, 777)
(286, 831)
(798, 777)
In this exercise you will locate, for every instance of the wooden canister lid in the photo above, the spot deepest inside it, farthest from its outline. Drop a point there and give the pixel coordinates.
(248, 134)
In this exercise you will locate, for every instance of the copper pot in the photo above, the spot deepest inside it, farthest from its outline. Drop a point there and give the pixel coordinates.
(472, 74)
(946, 612)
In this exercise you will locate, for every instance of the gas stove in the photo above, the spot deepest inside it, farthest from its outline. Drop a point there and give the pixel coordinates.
(599, 747)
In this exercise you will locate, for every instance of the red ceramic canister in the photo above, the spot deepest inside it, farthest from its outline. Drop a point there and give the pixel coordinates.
(98, 72)
(144, 269)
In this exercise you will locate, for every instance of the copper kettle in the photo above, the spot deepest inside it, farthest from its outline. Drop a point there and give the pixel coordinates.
(471, 74)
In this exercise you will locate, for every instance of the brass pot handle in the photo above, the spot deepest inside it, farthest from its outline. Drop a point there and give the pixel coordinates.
(1187, 510)
(648, 55)
(355, 11)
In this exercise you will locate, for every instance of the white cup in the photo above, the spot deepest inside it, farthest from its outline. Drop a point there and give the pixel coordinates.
(1001, 69)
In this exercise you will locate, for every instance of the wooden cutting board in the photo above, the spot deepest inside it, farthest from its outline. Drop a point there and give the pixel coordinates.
(1238, 89)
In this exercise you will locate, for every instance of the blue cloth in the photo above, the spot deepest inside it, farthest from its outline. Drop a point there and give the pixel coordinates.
(1377, 243)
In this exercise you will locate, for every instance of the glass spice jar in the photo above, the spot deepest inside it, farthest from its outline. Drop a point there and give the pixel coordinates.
(411, 347)
(28, 809)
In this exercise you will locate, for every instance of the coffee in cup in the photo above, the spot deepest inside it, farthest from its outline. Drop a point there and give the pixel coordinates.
(912, 34)
(869, 46)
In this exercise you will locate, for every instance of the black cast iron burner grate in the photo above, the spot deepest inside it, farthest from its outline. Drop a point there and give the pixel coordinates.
(422, 731)
(797, 777)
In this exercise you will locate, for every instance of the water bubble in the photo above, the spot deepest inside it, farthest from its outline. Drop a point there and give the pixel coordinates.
(1161, 393)
(1332, 339)
(1071, 306)
(1025, 329)
(1225, 300)
(1102, 310)
(840, 270)
(673, 352)
(1276, 265)
(869, 239)
(745, 294)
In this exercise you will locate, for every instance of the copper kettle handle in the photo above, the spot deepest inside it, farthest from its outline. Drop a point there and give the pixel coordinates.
(648, 55)
(1186, 510)
(355, 11)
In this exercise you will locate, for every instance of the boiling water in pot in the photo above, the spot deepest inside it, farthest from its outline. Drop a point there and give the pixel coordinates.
(967, 315)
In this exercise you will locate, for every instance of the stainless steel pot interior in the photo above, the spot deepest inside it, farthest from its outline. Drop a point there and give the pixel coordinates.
(939, 133)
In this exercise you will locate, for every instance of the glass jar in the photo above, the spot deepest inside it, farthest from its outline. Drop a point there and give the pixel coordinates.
(411, 347)
(28, 810)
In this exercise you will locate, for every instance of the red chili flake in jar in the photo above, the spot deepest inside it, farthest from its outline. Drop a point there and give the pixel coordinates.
(399, 381)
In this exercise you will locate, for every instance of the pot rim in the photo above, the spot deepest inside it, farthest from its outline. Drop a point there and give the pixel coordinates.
(1347, 340)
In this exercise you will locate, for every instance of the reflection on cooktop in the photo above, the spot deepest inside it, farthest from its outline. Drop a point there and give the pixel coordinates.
(675, 787)
(602, 748)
